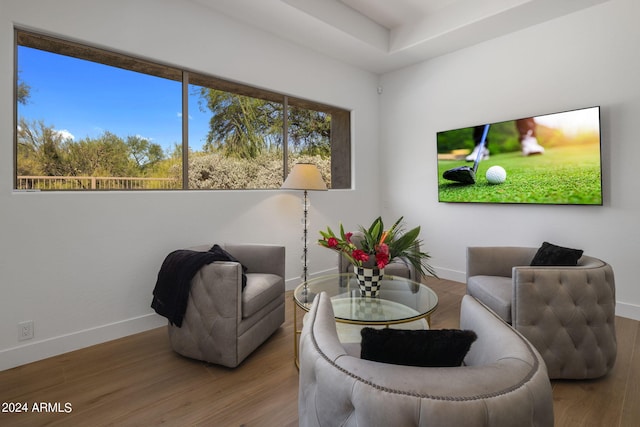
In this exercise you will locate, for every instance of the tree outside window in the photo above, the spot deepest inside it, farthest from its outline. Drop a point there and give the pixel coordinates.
(89, 119)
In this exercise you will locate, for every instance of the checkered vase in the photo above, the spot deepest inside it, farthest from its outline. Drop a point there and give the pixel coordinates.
(369, 280)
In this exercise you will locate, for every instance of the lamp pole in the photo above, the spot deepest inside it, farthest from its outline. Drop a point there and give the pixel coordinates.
(304, 238)
(305, 176)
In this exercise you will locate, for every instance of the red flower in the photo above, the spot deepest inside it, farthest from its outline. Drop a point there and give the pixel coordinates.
(382, 260)
(332, 242)
(360, 255)
(347, 237)
(382, 255)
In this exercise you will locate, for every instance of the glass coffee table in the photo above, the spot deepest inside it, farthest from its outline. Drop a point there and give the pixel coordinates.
(400, 301)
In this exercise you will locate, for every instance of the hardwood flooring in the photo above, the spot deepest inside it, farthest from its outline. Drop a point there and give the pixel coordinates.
(139, 381)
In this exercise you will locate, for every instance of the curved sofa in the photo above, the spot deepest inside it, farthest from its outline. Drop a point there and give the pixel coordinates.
(503, 381)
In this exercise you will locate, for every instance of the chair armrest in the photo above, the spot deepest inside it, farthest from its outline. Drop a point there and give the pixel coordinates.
(568, 314)
(210, 327)
(497, 260)
(555, 292)
(259, 258)
(217, 288)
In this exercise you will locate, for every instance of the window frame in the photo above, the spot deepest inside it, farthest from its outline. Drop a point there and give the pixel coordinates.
(340, 139)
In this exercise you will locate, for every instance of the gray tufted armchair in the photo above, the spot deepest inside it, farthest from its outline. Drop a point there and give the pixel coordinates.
(567, 313)
(223, 324)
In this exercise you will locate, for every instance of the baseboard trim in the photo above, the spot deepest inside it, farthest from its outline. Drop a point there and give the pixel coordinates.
(43, 349)
(455, 275)
(630, 311)
(291, 284)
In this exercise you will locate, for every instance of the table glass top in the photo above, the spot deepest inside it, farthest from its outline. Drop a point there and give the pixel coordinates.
(400, 300)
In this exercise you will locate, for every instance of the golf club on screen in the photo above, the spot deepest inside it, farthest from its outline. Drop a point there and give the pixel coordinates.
(464, 174)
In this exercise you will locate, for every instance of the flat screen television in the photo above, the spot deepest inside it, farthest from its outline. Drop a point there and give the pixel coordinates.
(547, 159)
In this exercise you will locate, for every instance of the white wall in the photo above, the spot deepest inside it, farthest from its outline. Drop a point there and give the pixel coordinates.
(83, 265)
(584, 59)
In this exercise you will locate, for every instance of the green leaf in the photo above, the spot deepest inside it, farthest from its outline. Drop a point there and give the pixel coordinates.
(404, 245)
(325, 235)
(392, 230)
(376, 230)
(407, 240)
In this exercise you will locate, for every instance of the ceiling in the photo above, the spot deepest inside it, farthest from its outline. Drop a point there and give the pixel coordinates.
(384, 35)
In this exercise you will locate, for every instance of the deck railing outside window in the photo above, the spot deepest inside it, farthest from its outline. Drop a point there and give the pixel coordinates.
(95, 183)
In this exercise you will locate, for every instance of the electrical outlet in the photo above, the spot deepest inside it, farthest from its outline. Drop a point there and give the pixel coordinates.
(25, 330)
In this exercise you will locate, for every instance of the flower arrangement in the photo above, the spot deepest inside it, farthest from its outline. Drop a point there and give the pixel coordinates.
(377, 247)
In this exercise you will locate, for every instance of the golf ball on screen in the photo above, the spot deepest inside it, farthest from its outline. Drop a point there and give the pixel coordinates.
(496, 175)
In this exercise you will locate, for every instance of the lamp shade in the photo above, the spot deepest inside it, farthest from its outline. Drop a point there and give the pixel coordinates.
(304, 176)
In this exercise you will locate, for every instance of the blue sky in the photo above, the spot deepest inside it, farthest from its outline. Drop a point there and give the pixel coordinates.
(85, 99)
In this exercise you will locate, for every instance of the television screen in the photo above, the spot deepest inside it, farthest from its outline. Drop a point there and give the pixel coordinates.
(548, 159)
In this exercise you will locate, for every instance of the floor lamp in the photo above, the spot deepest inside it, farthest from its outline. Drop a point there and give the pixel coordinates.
(305, 176)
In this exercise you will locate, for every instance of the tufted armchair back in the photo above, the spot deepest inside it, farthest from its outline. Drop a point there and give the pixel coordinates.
(567, 313)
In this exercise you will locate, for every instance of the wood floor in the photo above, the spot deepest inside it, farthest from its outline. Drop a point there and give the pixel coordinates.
(139, 381)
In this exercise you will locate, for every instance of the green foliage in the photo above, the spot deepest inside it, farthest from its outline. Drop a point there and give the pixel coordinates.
(243, 149)
(502, 138)
(44, 151)
(144, 153)
(105, 156)
(455, 139)
(217, 172)
(565, 174)
(241, 126)
(244, 127)
(401, 243)
(380, 246)
(23, 91)
(309, 132)
(39, 149)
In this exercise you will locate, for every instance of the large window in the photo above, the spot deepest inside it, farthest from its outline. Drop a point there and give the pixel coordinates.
(89, 119)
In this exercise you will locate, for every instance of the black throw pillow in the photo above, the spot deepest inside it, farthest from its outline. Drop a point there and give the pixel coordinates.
(222, 255)
(550, 254)
(429, 348)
